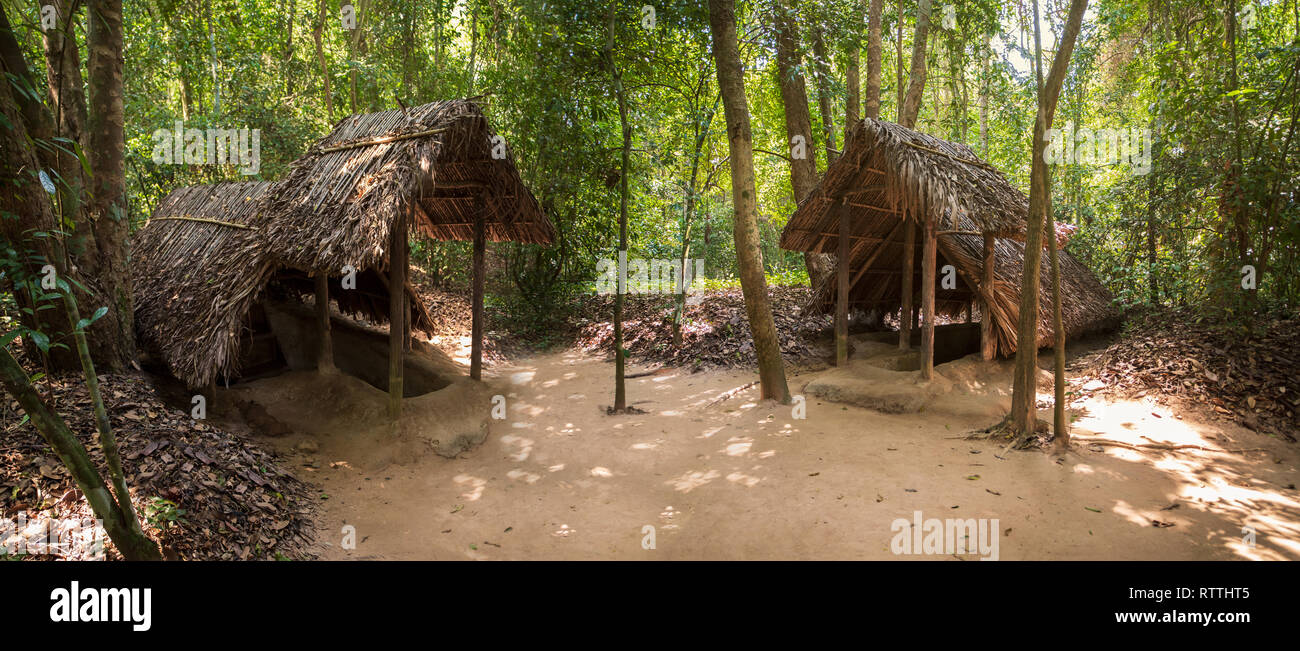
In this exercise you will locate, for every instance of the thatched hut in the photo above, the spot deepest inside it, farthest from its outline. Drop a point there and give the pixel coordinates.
(892, 181)
(345, 210)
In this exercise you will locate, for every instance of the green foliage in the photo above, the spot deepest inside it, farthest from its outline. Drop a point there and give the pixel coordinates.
(163, 514)
(1220, 193)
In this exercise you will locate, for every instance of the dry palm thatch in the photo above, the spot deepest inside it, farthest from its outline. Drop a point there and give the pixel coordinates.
(209, 251)
(1086, 305)
(197, 267)
(889, 174)
(203, 260)
(432, 163)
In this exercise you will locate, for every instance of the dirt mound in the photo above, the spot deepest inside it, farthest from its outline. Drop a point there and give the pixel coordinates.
(888, 382)
(1244, 374)
(346, 419)
(233, 499)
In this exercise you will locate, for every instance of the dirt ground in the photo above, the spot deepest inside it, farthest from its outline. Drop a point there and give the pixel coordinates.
(742, 479)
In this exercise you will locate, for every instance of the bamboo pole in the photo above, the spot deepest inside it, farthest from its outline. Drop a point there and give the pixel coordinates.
(380, 141)
(988, 344)
(842, 292)
(928, 262)
(202, 220)
(476, 330)
(905, 313)
(325, 353)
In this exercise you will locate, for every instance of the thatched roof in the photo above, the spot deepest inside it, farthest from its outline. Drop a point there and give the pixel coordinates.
(203, 260)
(433, 162)
(888, 170)
(1087, 305)
(879, 175)
(210, 251)
(194, 281)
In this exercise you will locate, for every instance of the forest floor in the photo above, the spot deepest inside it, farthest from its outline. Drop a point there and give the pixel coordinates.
(1181, 452)
(742, 479)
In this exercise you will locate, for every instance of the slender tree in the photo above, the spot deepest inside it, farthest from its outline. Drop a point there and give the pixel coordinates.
(873, 58)
(96, 247)
(620, 356)
(911, 102)
(1023, 397)
(317, 34)
(108, 207)
(852, 86)
(702, 129)
(822, 77)
(798, 124)
(749, 253)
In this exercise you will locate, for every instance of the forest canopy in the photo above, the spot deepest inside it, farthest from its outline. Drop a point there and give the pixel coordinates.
(1174, 152)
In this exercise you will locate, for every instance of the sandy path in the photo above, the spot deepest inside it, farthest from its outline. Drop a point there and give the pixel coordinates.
(558, 479)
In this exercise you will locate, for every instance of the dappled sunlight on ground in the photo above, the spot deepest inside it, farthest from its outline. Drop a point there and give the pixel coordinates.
(720, 474)
(1244, 480)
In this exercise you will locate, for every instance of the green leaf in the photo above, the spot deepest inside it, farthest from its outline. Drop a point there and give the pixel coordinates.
(9, 337)
(41, 340)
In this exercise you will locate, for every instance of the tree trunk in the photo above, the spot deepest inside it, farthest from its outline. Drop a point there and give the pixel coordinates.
(107, 440)
(798, 122)
(112, 338)
(911, 105)
(1024, 386)
(620, 357)
(873, 58)
(821, 74)
(67, 95)
(1153, 284)
(688, 216)
(852, 92)
(1061, 428)
(984, 108)
(749, 254)
(473, 47)
(28, 202)
(316, 34)
(898, 62)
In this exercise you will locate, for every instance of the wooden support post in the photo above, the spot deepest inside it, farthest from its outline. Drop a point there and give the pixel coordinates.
(406, 314)
(476, 329)
(969, 307)
(842, 293)
(988, 347)
(928, 262)
(324, 354)
(396, 315)
(905, 314)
